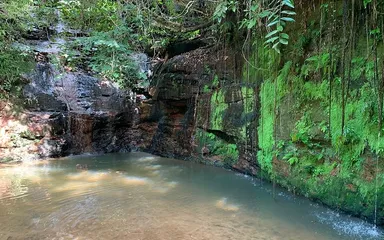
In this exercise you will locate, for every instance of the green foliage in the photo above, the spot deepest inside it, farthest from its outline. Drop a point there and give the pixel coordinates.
(248, 96)
(302, 131)
(292, 156)
(13, 64)
(324, 169)
(278, 19)
(97, 15)
(231, 154)
(307, 92)
(248, 99)
(206, 89)
(108, 54)
(223, 8)
(366, 2)
(215, 82)
(45, 14)
(276, 13)
(16, 19)
(218, 108)
(271, 93)
(217, 147)
(266, 127)
(315, 63)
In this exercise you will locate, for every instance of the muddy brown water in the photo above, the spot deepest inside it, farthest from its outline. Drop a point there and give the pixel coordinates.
(140, 196)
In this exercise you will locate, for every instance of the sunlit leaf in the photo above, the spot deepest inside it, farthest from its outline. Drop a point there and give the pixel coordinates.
(287, 19)
(271, 33)
(271, 40)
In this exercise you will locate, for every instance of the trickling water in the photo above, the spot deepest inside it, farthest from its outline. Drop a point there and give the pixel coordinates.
(376, 173)
(140, 196)
(376, 179)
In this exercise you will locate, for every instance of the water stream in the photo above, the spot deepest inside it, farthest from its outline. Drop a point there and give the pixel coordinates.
(140, 196)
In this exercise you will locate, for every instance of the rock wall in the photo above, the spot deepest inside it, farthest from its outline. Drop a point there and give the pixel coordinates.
(200, 109)
(275, 127)
(66, 113)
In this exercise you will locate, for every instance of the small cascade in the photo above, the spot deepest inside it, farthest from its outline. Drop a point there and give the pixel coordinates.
(161, 128)
(81, 127)
(136, 109)
(95, 109)
(60, 26)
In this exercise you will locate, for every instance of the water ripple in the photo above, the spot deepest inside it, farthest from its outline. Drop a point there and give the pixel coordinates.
(344, 225)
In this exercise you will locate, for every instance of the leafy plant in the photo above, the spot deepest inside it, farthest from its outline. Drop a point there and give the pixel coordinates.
(107, 54)
(315, 64)
(302, 130)
(278, 18)
(366, 2)
(276, 13)
(223, 7)
(13, 64)
(292, 157)
(97, 15)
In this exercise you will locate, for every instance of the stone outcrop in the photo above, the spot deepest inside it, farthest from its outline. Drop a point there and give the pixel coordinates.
(202, 109)
(66, 113)
(199, 110)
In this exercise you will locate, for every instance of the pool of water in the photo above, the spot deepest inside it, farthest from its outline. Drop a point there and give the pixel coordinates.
(140, 196)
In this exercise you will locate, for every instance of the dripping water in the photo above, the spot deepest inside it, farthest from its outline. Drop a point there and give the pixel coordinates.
(377, 168)
(376, 179)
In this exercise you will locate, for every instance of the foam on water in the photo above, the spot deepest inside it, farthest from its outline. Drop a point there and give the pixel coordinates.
(135, 181)
(89, 176)
(344, 225)
(152, 167)
(165, 187)
(147, 159)
(224, 205)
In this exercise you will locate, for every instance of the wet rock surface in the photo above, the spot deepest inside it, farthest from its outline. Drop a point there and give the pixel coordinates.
(182, 119)
(65, 113)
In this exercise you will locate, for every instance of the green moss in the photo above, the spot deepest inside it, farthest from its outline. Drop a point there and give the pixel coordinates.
(319, 160)
(248, 99)
(261, 64)
(215, 82)
(215, 146)
(218, 107)
(330, 170)
(206, 89)
(248, 96)
(272, 92)
(266, 127)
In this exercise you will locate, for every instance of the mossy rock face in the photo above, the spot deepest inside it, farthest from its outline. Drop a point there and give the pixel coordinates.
(231, 110)
(224, 117)
(334, 192)
(216, 148)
